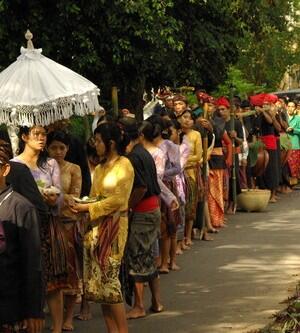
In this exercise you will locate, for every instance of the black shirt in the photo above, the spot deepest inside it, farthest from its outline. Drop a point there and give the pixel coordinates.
(144, 170)
(218, 161)
(22, 181)
(21, 284)
(264, 127)
(237, 127)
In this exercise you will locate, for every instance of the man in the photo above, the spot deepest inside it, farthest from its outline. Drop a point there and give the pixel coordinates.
(21, 283)
(268, 127)
(236, 134)
(144, 223)
(180, 104)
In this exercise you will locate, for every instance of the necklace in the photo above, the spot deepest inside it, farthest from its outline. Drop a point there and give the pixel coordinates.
(6, 197)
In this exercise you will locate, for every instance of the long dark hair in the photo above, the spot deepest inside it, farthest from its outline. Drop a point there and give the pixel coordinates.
(43, 155)
(110, 131)
(177, 126)
(60, 136)
(149, 130)
(164, 125)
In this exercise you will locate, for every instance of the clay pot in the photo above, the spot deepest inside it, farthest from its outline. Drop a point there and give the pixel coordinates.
(253, 200)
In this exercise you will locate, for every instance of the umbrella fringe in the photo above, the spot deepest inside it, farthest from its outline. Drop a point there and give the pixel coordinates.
(48, 113)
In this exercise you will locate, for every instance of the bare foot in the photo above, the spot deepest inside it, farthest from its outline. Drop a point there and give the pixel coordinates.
(83, 316)
(174, 267)
(212, 231)
(179, 252)
(185, 247)
(68, 327)
(272, 200)
(136, 313)
(205, 237)
(188, 242)
(163, 270)
(157, 309)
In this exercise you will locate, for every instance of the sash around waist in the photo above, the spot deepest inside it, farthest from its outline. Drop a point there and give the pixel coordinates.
(269, 141)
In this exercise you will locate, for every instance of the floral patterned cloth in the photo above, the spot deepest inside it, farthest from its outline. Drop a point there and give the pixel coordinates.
(71, 186)
(160, 162)
(114, 183)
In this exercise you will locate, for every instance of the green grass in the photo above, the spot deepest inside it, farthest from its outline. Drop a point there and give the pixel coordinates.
(287, 320)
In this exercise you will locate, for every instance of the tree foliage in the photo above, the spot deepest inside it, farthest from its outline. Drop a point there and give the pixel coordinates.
(237, 84)
(270, 39)
(137, 44)
(128, 43)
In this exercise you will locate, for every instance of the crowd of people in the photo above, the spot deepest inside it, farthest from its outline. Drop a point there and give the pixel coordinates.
(101, 222)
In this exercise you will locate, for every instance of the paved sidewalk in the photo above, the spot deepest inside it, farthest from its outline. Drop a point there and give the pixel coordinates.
(233, 284)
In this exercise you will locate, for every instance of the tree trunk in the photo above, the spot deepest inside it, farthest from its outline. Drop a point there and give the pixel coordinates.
(131, 96)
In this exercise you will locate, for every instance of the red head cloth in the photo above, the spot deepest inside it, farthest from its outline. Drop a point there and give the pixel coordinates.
(270, 98)
(260, 99)
(223, 101)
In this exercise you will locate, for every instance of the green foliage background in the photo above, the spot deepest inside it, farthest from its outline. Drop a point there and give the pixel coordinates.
(139, 44)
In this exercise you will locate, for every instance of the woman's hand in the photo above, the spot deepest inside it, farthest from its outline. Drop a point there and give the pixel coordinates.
(78, 207)
(174, 205)
(233, 134)
(289, 129)
(50, 198)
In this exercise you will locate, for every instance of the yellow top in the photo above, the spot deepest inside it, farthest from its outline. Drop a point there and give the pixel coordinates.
(195, 156)
(113, 182)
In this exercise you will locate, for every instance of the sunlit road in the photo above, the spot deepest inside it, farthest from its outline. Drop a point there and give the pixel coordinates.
(233, 284)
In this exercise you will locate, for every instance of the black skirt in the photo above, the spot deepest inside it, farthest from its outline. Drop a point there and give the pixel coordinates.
(270, 179)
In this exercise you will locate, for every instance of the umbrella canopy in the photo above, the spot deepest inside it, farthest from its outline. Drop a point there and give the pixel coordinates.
(35, 90)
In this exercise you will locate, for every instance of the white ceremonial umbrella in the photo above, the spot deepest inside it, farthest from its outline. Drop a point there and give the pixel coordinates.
(35, 90)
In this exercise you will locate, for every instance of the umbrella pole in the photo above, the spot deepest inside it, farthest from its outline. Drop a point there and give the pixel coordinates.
(114, 99)
(13, 131)
(87, 129)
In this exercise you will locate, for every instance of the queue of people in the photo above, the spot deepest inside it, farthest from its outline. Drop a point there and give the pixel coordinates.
(156, 187)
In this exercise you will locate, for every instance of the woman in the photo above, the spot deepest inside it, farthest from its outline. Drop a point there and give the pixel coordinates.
(170, 219)
(179, 139)
(149, 134)
(294, 134)
(145, 219)
(112, 185)
(57, 145)
(236, 136)
(192, 171)
(46, 173)
(268, 125)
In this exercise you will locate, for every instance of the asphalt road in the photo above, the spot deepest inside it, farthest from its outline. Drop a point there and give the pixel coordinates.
(233, 284)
